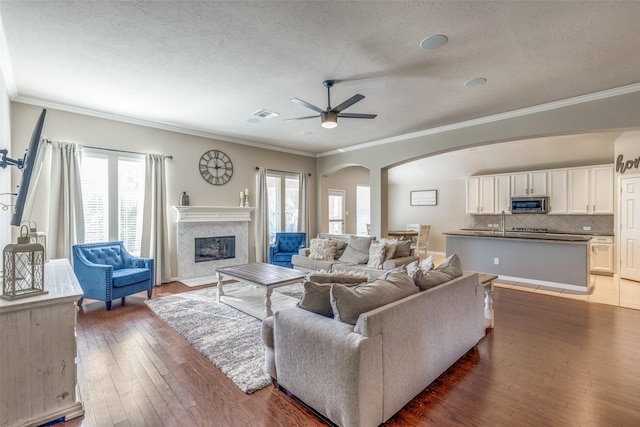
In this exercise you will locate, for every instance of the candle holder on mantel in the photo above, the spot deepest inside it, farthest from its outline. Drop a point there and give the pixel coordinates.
(246, 201)
(241, 199)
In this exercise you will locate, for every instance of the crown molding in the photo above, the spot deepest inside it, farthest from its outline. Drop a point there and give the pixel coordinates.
(150, 124)
(610, 93)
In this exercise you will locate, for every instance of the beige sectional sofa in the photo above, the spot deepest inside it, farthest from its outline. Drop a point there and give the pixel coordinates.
(359, 375)
(304, 261)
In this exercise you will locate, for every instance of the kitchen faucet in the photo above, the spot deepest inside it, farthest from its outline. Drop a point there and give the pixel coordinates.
(503, 218)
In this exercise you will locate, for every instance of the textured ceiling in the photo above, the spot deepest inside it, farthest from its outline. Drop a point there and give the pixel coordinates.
(207, 66)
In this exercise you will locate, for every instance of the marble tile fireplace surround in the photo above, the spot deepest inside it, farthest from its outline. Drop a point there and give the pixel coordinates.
(210, 222)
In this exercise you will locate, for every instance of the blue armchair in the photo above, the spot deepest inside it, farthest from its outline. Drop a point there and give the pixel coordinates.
(286, 245)
(106, 271)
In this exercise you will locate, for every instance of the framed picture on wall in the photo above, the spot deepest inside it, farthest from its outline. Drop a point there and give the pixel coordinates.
(424, 198)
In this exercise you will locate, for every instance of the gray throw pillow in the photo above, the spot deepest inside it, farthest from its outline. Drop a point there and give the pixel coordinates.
(448, 270)
(391, 244)
(316, 297)
(340, 247)
(348, 303)
(357, 252)
(377, 254)
(403, 248)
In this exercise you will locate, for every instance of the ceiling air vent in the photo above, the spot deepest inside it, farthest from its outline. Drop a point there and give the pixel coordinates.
(266, 113)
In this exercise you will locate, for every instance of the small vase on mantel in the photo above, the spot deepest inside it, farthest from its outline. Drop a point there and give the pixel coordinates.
(184, 199)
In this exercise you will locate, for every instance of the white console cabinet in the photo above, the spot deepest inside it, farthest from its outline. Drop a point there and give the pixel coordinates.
(38, 376)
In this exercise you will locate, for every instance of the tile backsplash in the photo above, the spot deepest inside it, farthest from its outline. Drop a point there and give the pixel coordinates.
(573, 224)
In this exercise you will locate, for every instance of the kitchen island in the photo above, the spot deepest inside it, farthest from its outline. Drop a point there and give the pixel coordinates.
(554, 260)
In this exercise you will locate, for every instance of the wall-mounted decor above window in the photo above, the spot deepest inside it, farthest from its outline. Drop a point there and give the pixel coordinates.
(424, 198)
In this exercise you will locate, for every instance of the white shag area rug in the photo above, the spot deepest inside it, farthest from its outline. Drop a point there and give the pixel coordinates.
(230, 339)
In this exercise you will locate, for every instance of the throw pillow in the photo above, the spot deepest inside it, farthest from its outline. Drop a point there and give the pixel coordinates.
(316, 298)
(448, 270)
(427, 263)
(416, 269)
(322, 249)
(348, 303)
(340, 247)
(403, 248)
(357, 251)
(392, 244)
(377, 254)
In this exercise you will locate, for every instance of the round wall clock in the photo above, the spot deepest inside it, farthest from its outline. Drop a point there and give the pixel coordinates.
(216, 167)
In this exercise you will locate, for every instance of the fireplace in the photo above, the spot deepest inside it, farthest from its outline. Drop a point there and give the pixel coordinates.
(221, 222)
(214, 248)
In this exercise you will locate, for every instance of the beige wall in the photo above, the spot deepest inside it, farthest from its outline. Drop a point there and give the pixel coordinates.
(182, 172)
(5, 174)
(346, 179)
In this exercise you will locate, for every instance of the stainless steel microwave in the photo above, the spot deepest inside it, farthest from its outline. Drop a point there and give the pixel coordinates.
(530, 205)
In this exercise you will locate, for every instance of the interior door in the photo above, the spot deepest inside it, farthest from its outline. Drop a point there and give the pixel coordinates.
(630, 228)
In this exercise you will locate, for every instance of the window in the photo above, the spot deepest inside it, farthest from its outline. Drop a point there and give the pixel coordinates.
(336, 211)
(363, 209)
(283, 195)
(117, 214)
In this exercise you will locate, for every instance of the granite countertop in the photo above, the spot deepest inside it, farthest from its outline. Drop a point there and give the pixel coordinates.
(521, 235)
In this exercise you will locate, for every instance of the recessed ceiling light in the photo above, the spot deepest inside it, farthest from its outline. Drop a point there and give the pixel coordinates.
(253, 120)
(475, 82)
(434, 42)
(266, 113)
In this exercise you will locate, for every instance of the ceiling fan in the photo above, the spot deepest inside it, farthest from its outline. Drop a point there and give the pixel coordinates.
(329, 117)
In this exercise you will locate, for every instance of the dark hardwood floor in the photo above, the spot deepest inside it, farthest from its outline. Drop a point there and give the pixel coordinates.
(549, 362)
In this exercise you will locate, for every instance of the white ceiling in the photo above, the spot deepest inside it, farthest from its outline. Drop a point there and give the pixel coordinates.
(207, 66)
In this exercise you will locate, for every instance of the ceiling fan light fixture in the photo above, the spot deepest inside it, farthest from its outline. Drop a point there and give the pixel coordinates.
(329, 119)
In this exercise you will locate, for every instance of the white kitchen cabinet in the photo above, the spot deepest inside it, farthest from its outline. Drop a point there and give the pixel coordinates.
(602, 259)
(502, 194)
(601, 194)
(579, 190)
(480, 197)
(558, 191)
(527, 184)
(38, 356)
(591, 190)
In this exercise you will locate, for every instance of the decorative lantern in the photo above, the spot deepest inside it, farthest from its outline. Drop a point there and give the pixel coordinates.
(23, 268)
(36, 236)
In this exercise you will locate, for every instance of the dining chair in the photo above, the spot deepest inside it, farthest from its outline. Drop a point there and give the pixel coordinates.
(422, 241)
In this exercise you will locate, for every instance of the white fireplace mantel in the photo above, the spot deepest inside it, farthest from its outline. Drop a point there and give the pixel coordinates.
(213, 213)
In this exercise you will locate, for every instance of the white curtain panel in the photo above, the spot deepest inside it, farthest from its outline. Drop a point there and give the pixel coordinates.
(66, 213)
(262, 217)
(155, 237)
(303, 204)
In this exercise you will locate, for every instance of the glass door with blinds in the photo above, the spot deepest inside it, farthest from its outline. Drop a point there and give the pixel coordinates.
(336, 211)
(283, 194)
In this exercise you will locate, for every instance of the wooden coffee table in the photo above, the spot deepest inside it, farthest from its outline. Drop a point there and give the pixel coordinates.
(257, 299)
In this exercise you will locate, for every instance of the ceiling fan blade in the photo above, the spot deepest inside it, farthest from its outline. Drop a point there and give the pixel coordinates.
(306, 104)
(301, 118)
(348, 103)
(357, 116)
